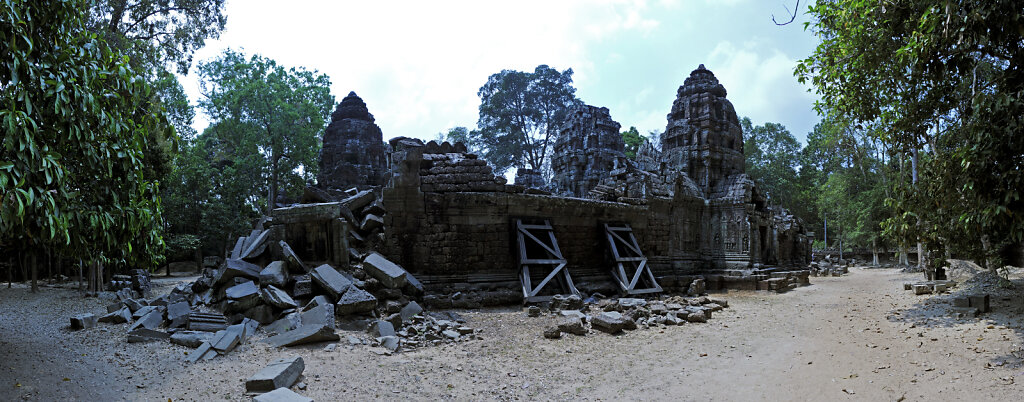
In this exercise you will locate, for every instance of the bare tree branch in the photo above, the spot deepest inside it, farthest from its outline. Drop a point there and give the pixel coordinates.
(792, 14)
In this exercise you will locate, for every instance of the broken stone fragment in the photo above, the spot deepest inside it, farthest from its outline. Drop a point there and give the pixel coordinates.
(191, 339)
(277, 297)
(371, 223)
(143, 311)
(389, 342)
(242, 297)
(303, 286)
(262, 313)
(696, 316)
(292, 258)
(151, 320)
(209, 322)
(177, 314)
(146, 335)
(381, 328)
(961, 302)
(572, 326)
(226, 340)
(388, 273)
(118, 317)
(287, 323)
(321, 315)
(275, 274)
(355, 301)
(282, 373)
(533, 311)
(317, 301)
(133, 305)
(920, 289)
(980, 302)
(410, 310)
(552, 333)
(281, 395)
(306, 333)
(628, 302)
(330, 280)
(360, 200)
(610, 322)
(235, 268)
(83, 321)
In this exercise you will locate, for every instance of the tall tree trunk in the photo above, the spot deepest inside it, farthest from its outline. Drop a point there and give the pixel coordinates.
(874, 252)
(35, 273)
(272, 192)
(115, 15)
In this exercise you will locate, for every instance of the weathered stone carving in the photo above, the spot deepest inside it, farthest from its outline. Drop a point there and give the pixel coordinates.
(588, 149)
(353, 151)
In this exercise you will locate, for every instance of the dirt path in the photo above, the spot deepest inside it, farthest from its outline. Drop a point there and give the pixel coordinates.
(859, 337)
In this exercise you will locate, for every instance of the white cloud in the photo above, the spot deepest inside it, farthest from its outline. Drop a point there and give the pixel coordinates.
(760, 83)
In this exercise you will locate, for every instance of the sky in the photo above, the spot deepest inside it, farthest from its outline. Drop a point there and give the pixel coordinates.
(419, 64)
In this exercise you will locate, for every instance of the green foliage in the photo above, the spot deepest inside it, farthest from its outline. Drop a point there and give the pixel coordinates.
(772, 159)
(76, 118)
(258, 105)
(520, 113)
(944, 81)
(157, 33)
(633, 140)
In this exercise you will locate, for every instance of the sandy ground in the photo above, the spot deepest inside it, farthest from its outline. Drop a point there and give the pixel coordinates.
(858, 337)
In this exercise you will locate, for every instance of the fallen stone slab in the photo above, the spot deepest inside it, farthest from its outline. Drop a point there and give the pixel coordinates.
(355, 301)
(303, 286)
(236, 268)
(390, 342)
(114, 307)
(330, 280)
(277, 297)
(696, 316)
(245, 329)
(574, 314)
(209, 322)
(203, 352)
(258, 245)
(191, 339)
(302, 335)
(281, 373)
(281, 395)
(317, 301)
(630, 302)
(386, 272)
(322, 315)
(83, 321)
(360, 200)
(382, 328)
(961, 302)
(572, 325)
(133, 305)
(410, 310)
(287, 323)
(967, 311)
(177, 314)
(146, 335)
(152, 320)
(609, 322)
(921, 289)
(371, 223)
(118, 317)
(552, 333)
(137, 314)
(263, 314)
(292, 257)
(225, 341)
(242, 297)
(275, 274)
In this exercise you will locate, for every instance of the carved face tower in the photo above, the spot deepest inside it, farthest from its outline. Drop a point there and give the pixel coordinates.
(353, 148)
(703, 138)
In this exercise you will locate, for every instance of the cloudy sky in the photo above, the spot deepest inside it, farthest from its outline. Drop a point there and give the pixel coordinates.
(419, 64)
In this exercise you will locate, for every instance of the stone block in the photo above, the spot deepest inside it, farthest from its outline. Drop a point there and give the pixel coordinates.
(292, 258)
(177, 314)
(921, 289)
(410, 310)
(303, 286)
(275, 274)
(610, 322)
(209, 322)
(388, 273)
(939, 288)
(133, 305)
(282, 373)
(146, 335)
(967, 311)
(242, 297)
(143, 311)
(360, 200)
(571, 325)
(203, 352)
(696, 316)
(118, 317)
(114, 307)
(190, 339)
(961, 302)
(382, 328)
(629, 302)
(281, 395)
(980, 302)
(277, 297)
(235, 268)
(287, 323)
(226, 340)
(263, 314)
(330, 280)
(355, 301)
(84, 321)
(152, 320)
(317, 301)
(321, 315)
(371, 223)
(304, 334)
(552, 333)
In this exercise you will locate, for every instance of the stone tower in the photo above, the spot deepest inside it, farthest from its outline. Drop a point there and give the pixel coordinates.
(588, 148)
(703, 137)
(353, 151)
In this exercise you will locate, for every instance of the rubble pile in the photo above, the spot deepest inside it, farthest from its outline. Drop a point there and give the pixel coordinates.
(830, 267)
(613, 316)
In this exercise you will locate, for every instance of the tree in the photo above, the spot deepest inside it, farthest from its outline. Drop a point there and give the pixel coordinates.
(75, 118)
(772, 159)
(520, 113)
(945, 86)
(281, 111)
(158, 32)
(633, 140)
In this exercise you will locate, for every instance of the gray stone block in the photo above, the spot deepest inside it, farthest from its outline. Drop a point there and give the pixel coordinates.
(146, 335)
(961, 302)
(572, 325)
(610, 322)
(133, 305)
(388, 273)
(282, 373)
(235, 268)
(84, 321)
(381, 328)
(281, 395)
(143, 311)
(275, 274)
(225, 341)
(355, 301)
(303, 286)
(980, 302)
(191, 339)
(152, 320)
(277, 297)
(302, 335)
(410, 310)
(371, 223)
(390, 343)
(921, 289)
(263, 314)
(292, 257)
(322, 315)
(330, 280)
(288, 323)
(317, 301)
(177, 314)
(118, 317)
